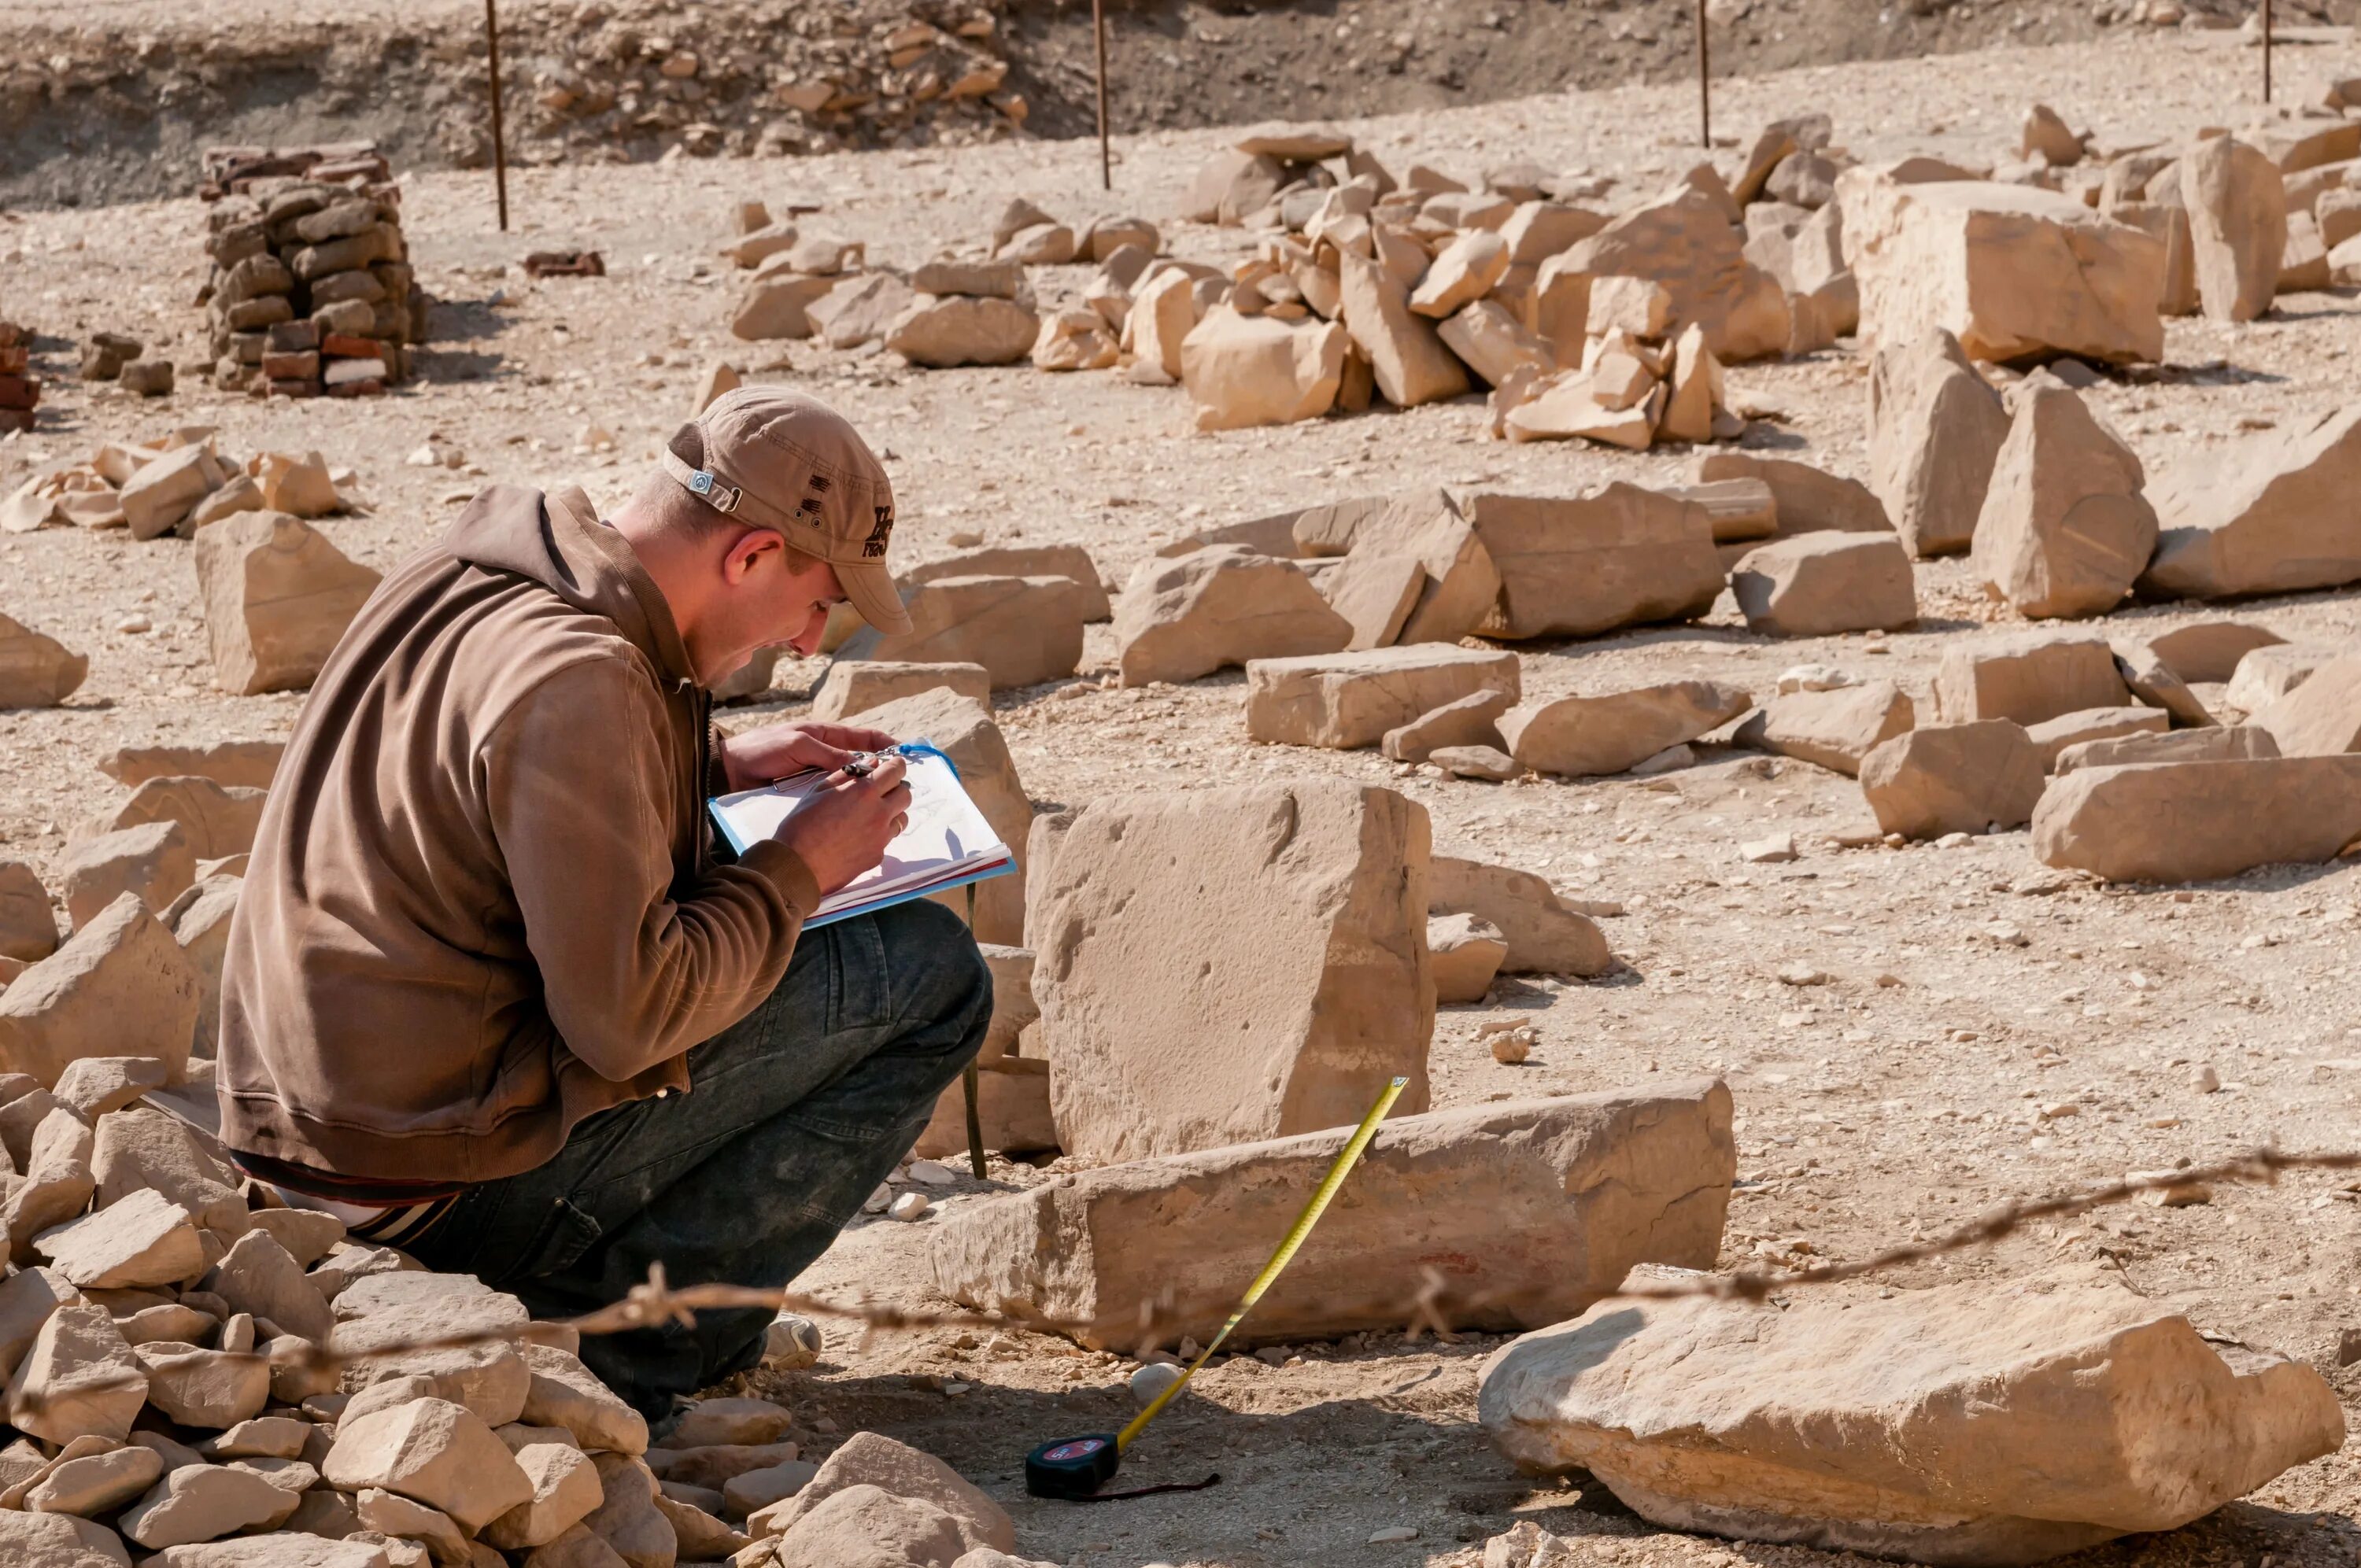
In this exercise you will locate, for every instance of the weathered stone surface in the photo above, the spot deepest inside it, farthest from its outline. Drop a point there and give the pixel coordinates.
(1817, 585)
(1286, 924)
(1424, 526)
(1409, 359)
(139, 1148)
(1251, 370)
(1345, 700)
(206, 1502)
(565, 1491)
(964, 729)
(1517, 1196)
(2052, 736)
(277, 597)
(202, 930)
(1577, 565)
(1935, 430)
(119, 985)
(1834, 729)
(77, 1379)
(1463, 271)
(754, 1489)
(627, 1517)
(436, 1451)
(2014, 272)
(1184, 617)
(2027, 677)
(150, 863)
(61, 1541)
(2152, 681)
(777, 304)
(2216, 743)
(2237, 226)
(147, 1239)
(1163, 313)
(162, 492)
(260, 1277)
(1580, 736)
(952, 330)
(1231, 186)
(1375, 592)
(26, 1298)
(2064, 530)
(2198, 821)
(564, 1393)
(2274, 520)
(1492, 341)
(1069, 561)
(1473, 720)
(1953, 778)
(2266, 674)
(203, 1388)
(217, 820)
(1806, 499)
(57, 1184)
(1013, 1112)
(2207, 651)
(1022, 631)
(1966, 1424)
(1466, 950)
(36, 671)
(1686, 240)
(868, 1527)
(282, 1550)
(2322, 718)
(859, 310)
(28, 931)
(852, 684)
(1545, 936)
(95, 1483)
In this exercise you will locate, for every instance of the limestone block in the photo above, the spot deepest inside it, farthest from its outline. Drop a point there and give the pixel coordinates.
(205, 1502)
(1935, 430)
(1686, 240)
(627, 1517)
(260, 1277)
(2273, 519)
(1817, 585)
(1542, 1205)
(277, 598)
(853, 685)
(284, 1548)
(1409, 359)
(1581, 736)
(1581, 564)
(1472, 720)
(1285, 924)
(2237, 226)
(56, 1185)
(231, 764)
(1964, 1424)
(202, 928)
(2013, 271)
(150, 863)
(2322, 718)
(962, 729)
(2064, 530)
(1466, 952)
(1492, 341)
(1833, 729)
(1254, 370)
(95, 1483)
(141, 1147)
(2027, 677)
(215, 820)
(28, 931)
(1459, 583)
(2197, 821)
(145, 1240)
(201, 1387)
(1022, 631)
(777, 304)
(2152, 681)
(1545, 937)
(2266, 674)
(567, 1394)
(61, 1541)
(77, 1379)
(2216, 743)
(434, 1452)
(120, 984)
(2207, 651)
(1069, 561)
(1346, 700)
(1806, 499)
(2052, 736)
(1953, 778)
(1188, 617)
(163, 492)
(1163, 313)
(1462, 272)
(566, 1490)
(36, 671)
(940, 333)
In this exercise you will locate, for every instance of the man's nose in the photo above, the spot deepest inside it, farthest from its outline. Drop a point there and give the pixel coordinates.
(806, 641)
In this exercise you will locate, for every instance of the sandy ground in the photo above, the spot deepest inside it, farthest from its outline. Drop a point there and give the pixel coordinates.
(1869, 1111)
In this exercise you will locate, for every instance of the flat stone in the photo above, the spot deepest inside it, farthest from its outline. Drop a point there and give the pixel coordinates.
(77, 1379)
(97, 1085)
(265, 1437)
(2064, 530)
(140, 1146)
(2267, 520)
(1022, 631)
(2216, 743)
(1818, 585)
(756, 1489)
(151, 862)
(203, 1388)
(215, 820)
(710, 1469)
(205, 1502)
(2322, 718)
(867, 1527)
(96, 1484)
(2028, 677)
(1833, 729)
(2053, 736)
(1414, 549)
(2200, 821)
(1186, 616)
(434, 1452)
(1277, 919)
(1347, 700)
(2208, 651)
(1806, 499)
(565, 1491)
(1580, 736)
(1578, 565)
(145, 1239)
(1466, 952)
(58, 1541)
(1545, 936)
(937, 333)
(260, 1277)
(564, 1393)
(1242, 371)
(1519, 1195)
(1472, 720)
(283, 1549)
(1985, 1423)
(1953, 778)
(853, 685)
(1486, 763)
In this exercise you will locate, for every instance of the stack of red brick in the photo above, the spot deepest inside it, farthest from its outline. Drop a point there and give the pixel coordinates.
(312, 288)
(20, 390)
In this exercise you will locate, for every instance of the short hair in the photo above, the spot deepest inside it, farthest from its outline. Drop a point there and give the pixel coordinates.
(677, 511)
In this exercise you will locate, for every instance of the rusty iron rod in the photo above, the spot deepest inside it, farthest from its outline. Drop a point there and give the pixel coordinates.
(1098, 30)
(1705, 78)
(500, 143)
(2266, 50)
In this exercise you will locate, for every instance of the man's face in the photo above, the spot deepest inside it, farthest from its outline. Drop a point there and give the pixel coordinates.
(764, 603)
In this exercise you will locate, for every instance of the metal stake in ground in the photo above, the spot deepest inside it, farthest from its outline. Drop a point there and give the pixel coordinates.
(499, 142)
(1705, 81)
(1098, 32)
(1075, 1468)
(2266, 50)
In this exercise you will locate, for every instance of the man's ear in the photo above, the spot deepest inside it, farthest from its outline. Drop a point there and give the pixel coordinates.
(747, 551)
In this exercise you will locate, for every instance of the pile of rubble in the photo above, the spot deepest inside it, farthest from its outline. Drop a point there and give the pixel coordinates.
(312, 290)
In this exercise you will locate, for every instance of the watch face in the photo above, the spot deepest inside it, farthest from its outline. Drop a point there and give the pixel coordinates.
(1081, 1448)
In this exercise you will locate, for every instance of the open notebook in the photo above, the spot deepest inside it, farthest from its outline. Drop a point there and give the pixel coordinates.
(947, 843)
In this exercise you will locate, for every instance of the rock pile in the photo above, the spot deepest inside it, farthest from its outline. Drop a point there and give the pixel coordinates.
(312, 290)
(176, 484)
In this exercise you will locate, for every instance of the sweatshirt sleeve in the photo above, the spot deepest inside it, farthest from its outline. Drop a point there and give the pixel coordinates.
(581, 794)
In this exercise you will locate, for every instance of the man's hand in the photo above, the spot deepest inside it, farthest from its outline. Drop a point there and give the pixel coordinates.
(842, 830)
(775, 751)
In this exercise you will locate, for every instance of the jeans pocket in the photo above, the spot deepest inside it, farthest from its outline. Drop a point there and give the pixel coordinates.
(567, 1233)
(861, 992)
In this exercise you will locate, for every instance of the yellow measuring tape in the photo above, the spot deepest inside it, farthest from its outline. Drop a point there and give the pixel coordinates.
(1293, 1240)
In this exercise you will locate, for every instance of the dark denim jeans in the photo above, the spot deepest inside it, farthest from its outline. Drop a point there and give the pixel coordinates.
(793, 1117)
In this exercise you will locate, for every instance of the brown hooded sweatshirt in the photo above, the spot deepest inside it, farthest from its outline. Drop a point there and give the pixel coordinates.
(481, 905)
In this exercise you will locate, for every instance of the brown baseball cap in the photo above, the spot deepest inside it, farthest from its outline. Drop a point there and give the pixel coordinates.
(778, 459)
